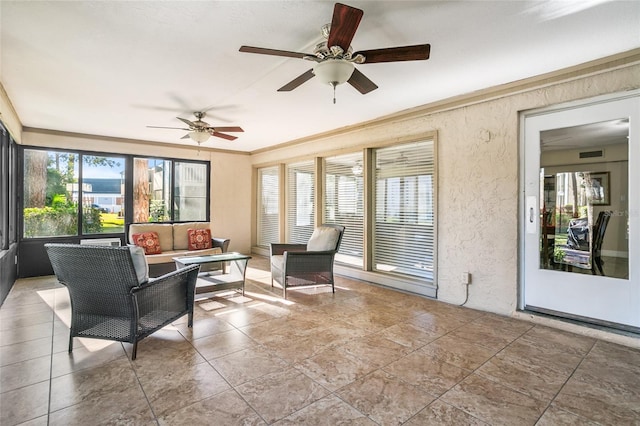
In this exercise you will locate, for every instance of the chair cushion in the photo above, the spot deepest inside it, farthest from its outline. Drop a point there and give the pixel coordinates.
(167, 256)
(323, 239)
(149, 241)
(139, 263)
(199, 239)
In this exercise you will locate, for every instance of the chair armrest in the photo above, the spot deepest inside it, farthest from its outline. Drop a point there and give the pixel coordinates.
(280, 248)
(172, 292)
(223, 243)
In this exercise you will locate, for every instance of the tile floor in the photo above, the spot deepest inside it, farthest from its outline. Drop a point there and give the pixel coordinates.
(365, 356)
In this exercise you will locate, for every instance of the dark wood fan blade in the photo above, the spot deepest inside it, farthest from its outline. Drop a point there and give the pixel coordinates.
(186, 136)
(187, 122)
(419, 52)
(162, 127)
(344, 24)
(223, 135)
(226, 129)
(361, 82)
(297, 81)
(273, 52)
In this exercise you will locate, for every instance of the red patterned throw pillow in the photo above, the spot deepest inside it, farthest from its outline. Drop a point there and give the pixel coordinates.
(149, 241)
(199, 239)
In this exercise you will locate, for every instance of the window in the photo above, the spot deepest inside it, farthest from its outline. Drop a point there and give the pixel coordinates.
(301, 200)
(7, 189)
(344, 204)
(190, 191)
(57, 183)
(73, 193)
(103, 194)
(268, 206)
(169, 190)
(404, 210)
(51, 190)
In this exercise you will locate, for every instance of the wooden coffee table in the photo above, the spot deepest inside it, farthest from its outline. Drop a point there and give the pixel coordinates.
(231, 276)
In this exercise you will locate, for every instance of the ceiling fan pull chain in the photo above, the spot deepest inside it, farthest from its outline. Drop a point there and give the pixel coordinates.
(334, 92)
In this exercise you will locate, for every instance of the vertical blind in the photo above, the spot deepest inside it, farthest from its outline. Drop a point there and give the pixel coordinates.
(268, 206)
(344, 204)
(300, 201)
(404, 209)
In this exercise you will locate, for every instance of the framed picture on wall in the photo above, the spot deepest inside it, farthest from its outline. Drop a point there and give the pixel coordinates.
(599, 191)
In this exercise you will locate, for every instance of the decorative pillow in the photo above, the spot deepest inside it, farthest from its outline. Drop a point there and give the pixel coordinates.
(323, 239)
(149, 241)
(199, 239)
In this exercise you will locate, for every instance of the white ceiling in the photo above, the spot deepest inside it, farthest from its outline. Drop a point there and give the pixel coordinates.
(111, 68)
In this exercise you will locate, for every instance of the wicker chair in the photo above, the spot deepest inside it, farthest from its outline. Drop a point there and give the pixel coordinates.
(112, 297)
(298, 265)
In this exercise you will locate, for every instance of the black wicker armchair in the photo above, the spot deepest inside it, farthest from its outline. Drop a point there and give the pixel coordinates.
(298, 265)
(112, 297)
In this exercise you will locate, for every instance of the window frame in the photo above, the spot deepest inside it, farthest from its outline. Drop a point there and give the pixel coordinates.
(426, 213)
(128, 189)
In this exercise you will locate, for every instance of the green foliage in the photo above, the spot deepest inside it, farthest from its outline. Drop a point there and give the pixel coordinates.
(59, 219)
(91, 221)
(157, 211)
(558, 254)
(55, 185)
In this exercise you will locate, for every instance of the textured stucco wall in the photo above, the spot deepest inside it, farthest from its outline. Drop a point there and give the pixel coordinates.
(478, 175)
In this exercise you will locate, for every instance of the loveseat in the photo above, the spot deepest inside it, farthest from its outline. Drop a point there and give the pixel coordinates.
(173, 240)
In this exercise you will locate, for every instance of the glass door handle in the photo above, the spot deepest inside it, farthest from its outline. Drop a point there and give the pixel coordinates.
(532, 201)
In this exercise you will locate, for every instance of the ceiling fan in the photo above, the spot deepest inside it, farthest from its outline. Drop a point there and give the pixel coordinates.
(200, 131)
(335, 58)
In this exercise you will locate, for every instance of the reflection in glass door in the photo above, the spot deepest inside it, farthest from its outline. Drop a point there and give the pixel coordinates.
(582, 217)
(584, 211)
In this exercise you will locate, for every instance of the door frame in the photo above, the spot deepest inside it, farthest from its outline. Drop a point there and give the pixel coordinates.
(525, 228)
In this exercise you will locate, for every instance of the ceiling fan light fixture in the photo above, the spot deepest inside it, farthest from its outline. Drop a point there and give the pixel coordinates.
(199, 136)
(334, 71)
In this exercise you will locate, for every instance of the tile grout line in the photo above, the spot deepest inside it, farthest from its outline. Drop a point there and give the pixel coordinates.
(567, 381)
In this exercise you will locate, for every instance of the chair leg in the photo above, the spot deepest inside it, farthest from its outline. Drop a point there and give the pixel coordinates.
(190, 317)
(70, 342)
(134, 351)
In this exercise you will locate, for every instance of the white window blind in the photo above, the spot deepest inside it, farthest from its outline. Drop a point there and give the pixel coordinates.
(268, 206)
(404, 216)
(344, 204)
(300, 201)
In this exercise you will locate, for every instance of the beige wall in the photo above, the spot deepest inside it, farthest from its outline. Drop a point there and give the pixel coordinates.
(478, 171)
(230, 176)
(8, 116)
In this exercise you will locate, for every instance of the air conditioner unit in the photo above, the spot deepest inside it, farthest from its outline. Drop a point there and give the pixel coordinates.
(114, 242)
